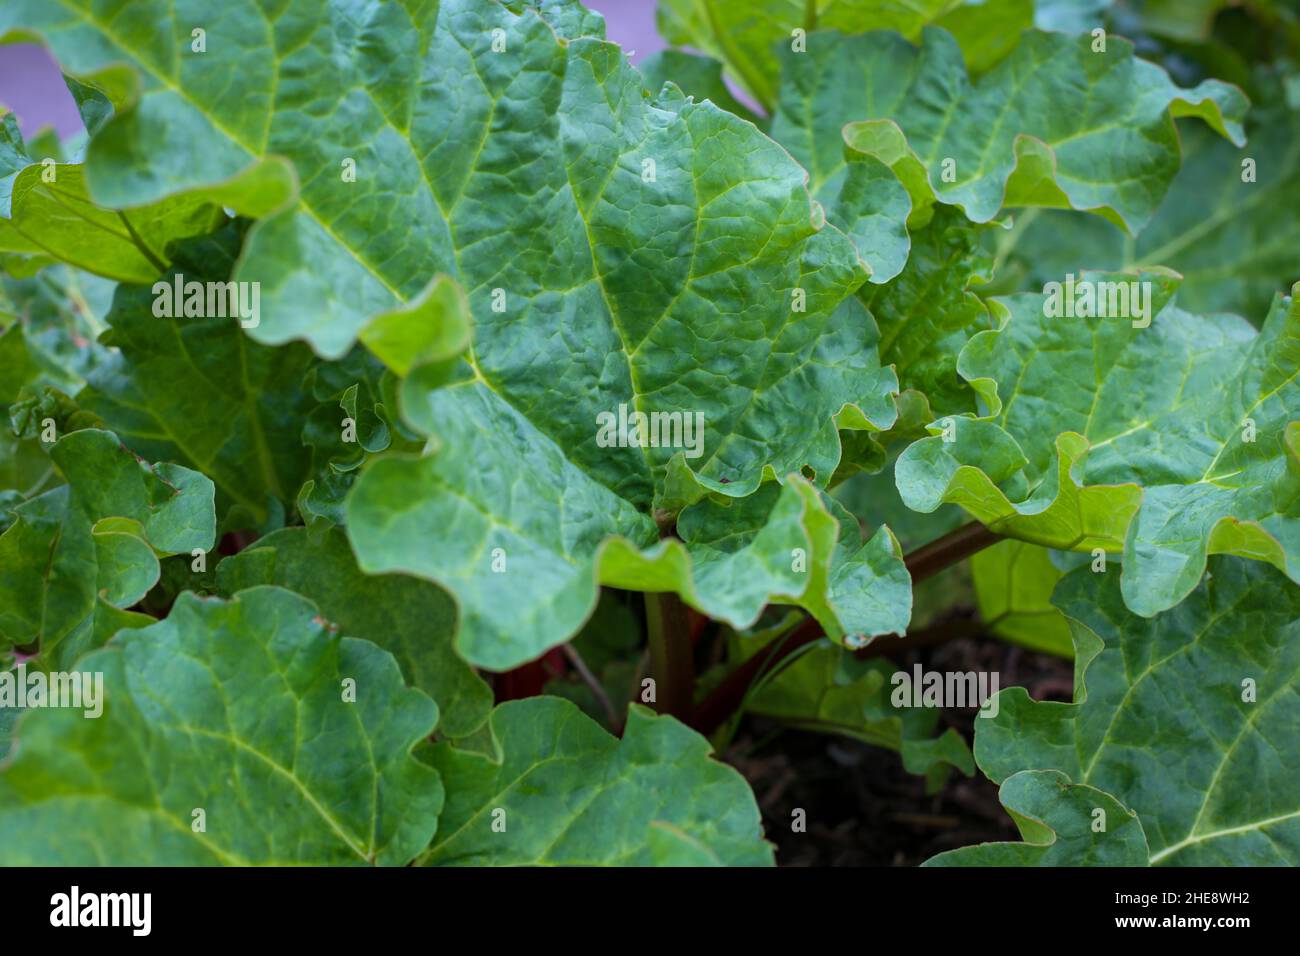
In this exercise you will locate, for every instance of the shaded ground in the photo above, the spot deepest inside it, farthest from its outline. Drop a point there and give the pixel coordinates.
(863, 808)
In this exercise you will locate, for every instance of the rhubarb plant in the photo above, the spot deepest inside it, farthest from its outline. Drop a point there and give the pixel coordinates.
(433, 438)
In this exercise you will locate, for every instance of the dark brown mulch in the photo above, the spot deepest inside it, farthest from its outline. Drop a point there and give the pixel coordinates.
(862, 807)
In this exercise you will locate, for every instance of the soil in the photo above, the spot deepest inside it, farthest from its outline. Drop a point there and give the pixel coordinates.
(862, 807)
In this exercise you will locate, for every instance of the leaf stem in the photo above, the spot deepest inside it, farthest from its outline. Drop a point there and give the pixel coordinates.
(593, 684)
(671, 654)
(952, 548)
(924, 562)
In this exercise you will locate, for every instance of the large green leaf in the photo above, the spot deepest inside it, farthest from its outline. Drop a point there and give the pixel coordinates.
(514, 527)
(196, 390)
(1059, 823)
(411, 619)
(77, 554)
(872, 117)
(724, 222)
(443, 157)
(522, 538)
(1189, 718)
(1221, 231)
(1086, 448)
(743, 323)
(1013, 587)
(46, 213)
(238, 709)
(1055, 124)
(549, 787)
(746, 33)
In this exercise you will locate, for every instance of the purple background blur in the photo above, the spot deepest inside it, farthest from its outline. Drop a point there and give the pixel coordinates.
(30, 84)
